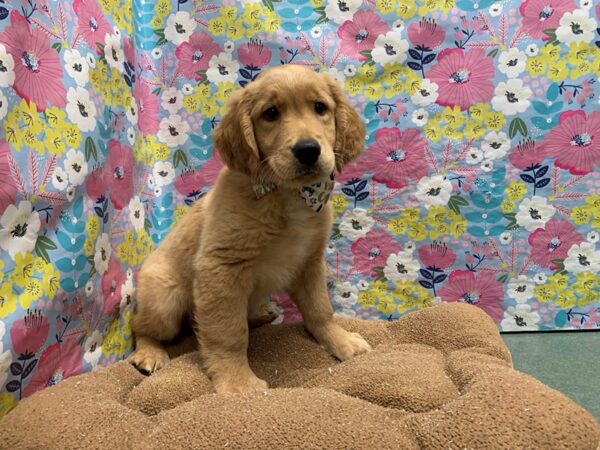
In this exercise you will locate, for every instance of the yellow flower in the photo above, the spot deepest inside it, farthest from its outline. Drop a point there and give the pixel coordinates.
(179, 213)
(340, 203)
(252, 12)
(417, 231)
(406, 9)
(379, 288)
(495, 121)
(565, 299)
(157, 22)
(536, 66)
(317, 3)
(354, 86)
(544, 293)
(161, 152)
(109, 340)
(581, 215)
(432, 131)
(33, 291)
(436, 215)
(54, 142)
(23, 269)
(12, 130)
(516, 190)
(191, 103)
(473, 130)
(367, 298)
(366, 73)
(585, 283)
(272, 23)
(385, 6)
(235, 30)
(39, 265)
(224, 91)
(386, 304)
(210, 108)
(507, 206)
(583, 68)
(453, 116)
(162, 8)
(558, 71)
(30, 117)
(449, 132)
(549, 54)
(7, 403)
(479, 111)
(594, 202)
(72, 135)
(558, 282)
(30, 140)
(51, 281)
(398, 226)
(88, 246)
(8, 300)
(411, 214)
(458, 227)
(374, 91)
(578, 52)
(92, 226)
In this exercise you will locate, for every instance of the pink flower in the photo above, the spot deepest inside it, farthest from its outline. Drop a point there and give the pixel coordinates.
(396, 157)
(118, 174)
(38, 71)
(482, 290)
(527, 155)
(464, 78)
(29, 333)
(437, 255)
(190, 182)
(112, 282)
(575, 142)
(212, 168)
(254, 54)
(373, 251)
(91, 22)
(95, 185)
(540, 15)
(58, 362)
(360, 33)
(193, 56)
(353, 171)
(147, 104)
(129, 51)
(8, 188)
(553, 242)
(426, 35)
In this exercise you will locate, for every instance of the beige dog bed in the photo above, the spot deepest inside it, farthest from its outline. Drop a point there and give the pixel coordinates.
(438, 378)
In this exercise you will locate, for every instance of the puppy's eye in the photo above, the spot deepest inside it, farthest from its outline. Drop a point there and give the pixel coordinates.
(271, 114)
(320, 108)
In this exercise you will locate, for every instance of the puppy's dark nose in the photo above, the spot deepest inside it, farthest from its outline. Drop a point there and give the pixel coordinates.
(307, 152)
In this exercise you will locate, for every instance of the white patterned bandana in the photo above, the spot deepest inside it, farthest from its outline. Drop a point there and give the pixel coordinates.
(316, 195)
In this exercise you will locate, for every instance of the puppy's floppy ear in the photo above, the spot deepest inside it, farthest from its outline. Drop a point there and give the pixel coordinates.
(234, 137)
(349, 128)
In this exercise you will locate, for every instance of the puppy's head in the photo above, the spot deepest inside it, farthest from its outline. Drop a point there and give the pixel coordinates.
(291, 126)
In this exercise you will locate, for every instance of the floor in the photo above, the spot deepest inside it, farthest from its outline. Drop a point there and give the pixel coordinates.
(566, 361)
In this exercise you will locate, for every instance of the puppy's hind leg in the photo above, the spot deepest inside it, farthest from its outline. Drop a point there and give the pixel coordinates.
(161, 305)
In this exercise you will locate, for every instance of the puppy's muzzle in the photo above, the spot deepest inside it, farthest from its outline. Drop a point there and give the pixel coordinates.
(307, 152)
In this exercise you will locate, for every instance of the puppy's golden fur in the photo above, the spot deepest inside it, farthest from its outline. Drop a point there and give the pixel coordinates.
(232, 249)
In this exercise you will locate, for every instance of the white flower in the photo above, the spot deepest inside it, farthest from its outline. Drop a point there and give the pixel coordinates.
(593, 237)
(70, 193)
(5, 362)
(427, 93)
(136, 213)
(113, 52)
(3, 105)
(585, 4)
(350, 70)
(583, 258)
(401, 267)
(156, 53)
(93, 348)
(80, 109)
(131, 135)
(330, 248)
(228, 47)
(521, 288)
(337, 75)
(116, 31)
(91, 60)
(222, 68)
(434, 191)
(102, 253)
(487, 166)
(180, 27)
(512, 62)
(410, 247)
(390, 48)
(512, 97)
(540, 278)
(363, 285)
(171, 100)
(173, 131)
(60, 179)
(532, 50)
(420, 117)
(398, 25)
(157, 191)
(534, 213)
(127, 292)
(89, 288)
(520, 318)
(495, 145)
(163, 173)
(316, 32)
(76, 167)
(355, 224)
(576, 26)
(77, 67)
(495, 10)
(474, 156)
(131, 112)
(346, 294)
(341, 10)
(506, 238)
(187, 89)
(7, 68)
(20, 226)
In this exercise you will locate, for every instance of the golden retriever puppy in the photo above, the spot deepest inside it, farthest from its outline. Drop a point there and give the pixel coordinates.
(262, 229)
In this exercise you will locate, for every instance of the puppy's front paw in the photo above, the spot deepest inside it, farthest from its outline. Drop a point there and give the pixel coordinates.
(343, 344)
(149, 359)
(245, 385)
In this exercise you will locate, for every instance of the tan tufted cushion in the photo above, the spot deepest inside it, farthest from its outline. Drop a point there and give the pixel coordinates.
(438, 378)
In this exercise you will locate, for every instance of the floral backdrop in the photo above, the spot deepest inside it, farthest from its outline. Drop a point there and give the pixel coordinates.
(480, 182)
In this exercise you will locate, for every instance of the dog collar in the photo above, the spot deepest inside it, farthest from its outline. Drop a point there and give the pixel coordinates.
(315, 195)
